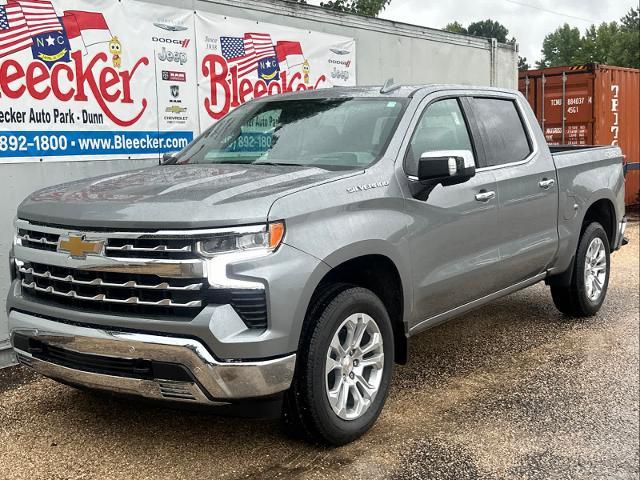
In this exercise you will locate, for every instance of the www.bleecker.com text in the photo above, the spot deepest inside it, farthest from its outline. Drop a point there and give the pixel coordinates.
(44, 117)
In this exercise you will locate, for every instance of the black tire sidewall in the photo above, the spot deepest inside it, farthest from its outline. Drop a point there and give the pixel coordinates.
(354, 300)
(592, 231)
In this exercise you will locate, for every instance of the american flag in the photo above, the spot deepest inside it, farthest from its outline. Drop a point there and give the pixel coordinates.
(40, 15)
(14, 31)
(248, 51)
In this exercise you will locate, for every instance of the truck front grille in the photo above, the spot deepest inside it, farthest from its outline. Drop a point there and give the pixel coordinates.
(155, 275)
(113, 292)
(120, 246)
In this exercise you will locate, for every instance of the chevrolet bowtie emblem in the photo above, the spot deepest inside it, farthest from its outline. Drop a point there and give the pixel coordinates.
(77, 247)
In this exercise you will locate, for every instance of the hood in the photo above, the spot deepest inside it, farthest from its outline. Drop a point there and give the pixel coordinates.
(173, 196)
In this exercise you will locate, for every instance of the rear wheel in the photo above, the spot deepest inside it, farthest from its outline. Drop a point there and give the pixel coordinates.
(588, 288)
(344, 368)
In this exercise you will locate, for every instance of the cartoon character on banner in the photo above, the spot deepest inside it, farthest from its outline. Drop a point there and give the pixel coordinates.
(115, 48)
(306, 71)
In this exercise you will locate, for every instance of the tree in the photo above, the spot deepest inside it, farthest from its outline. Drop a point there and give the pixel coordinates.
(562, 47)
(523, 64)
(626, 46)
(598, 43)
(489, 29)
(370, 8)
(456, 27)
(608, 43)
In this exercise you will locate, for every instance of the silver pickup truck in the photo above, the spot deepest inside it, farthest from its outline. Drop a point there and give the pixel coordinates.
(293, 249)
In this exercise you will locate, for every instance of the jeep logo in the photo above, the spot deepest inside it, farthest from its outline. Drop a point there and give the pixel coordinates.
(169, 56)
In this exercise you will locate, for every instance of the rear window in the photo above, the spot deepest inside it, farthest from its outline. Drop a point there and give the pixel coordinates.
(500, 123)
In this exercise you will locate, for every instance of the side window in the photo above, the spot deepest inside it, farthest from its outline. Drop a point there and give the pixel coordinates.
(501, 125)
(441, 127)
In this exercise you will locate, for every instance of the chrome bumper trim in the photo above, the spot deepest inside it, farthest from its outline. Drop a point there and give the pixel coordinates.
(222, 381)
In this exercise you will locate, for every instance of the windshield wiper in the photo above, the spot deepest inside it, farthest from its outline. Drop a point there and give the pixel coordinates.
(278, 164)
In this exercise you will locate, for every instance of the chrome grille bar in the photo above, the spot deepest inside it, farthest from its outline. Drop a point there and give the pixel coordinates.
(159, 248)
(98, 282)
(43, 240)
(103, 298)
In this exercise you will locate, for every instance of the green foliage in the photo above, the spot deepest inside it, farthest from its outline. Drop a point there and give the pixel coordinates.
(523, 64)
(370, 8)
(456, 27)
(484, 28)
(608, 43)
(489, 29)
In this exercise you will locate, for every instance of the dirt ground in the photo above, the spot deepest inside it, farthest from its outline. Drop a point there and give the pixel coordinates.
(511, 391)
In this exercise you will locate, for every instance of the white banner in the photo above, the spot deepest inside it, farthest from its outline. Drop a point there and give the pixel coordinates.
(100, 79)
(241, 60)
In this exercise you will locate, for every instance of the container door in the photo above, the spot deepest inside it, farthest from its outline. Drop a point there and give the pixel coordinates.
(527, 190)
(565, 104)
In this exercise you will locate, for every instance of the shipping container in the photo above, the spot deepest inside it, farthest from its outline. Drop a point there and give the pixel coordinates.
(590, 105)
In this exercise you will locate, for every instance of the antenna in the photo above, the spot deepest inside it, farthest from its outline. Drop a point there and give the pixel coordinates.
(389, 86)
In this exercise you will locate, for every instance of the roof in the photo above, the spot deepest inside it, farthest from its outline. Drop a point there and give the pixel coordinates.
(402, 91)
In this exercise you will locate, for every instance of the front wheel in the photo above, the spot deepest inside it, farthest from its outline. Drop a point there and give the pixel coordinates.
(590, 280)
(344, 368)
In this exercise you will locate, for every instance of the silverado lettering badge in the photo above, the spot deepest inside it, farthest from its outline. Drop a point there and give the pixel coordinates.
(368, 186)
(77, 247)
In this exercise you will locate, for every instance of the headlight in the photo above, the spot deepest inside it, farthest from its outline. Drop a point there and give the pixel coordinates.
(263, 237)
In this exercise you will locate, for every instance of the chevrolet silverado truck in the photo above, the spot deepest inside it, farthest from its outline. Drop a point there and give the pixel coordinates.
(293, 249)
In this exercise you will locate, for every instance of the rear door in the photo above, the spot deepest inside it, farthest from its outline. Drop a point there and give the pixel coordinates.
(453, 235)
(527, 188)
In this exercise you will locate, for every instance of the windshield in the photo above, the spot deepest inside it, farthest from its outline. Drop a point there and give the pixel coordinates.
(345, 133)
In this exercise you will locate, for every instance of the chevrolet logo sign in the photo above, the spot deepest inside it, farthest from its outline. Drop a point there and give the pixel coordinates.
(77, 247)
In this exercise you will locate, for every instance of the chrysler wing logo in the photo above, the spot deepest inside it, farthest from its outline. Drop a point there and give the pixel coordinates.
(170, 28)
(77, 247)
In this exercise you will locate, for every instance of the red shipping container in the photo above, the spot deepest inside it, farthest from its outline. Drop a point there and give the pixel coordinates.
(590, 105)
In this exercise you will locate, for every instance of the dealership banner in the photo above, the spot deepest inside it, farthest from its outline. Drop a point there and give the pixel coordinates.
(240, 60)
(106, 79)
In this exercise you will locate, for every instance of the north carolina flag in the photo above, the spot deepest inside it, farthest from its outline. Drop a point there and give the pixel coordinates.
(91, 27)
(291, 52)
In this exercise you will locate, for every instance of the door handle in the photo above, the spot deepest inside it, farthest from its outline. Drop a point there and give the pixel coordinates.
(485, 196)
(547, 183)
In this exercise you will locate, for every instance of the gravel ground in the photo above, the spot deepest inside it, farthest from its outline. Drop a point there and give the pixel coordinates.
(511, 391)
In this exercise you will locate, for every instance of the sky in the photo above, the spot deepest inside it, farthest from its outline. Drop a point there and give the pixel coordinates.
(527, 20)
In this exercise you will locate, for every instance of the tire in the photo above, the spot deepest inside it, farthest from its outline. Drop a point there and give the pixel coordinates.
(307, 408)
(577, 299)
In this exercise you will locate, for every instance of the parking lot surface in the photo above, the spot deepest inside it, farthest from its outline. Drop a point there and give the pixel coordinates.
(511, 391)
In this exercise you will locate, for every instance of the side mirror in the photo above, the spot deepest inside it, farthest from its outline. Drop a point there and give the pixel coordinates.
(168, 158)
(448, 167)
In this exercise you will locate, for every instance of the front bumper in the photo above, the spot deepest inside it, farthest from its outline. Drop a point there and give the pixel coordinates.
(151, 366)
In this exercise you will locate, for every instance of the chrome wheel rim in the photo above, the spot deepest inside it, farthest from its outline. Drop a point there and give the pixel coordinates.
(354, 366)
(595, 269)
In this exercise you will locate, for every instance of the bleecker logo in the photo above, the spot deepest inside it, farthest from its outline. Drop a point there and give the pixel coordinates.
(70, 61)
(172, 41)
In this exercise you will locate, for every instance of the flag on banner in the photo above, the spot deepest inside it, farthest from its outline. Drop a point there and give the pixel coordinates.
(40, 15)
(245, 52)
(291, 52)
(90, 27)
(14, 31)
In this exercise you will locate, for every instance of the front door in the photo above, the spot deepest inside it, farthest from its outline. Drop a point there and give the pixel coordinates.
(453, 238)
